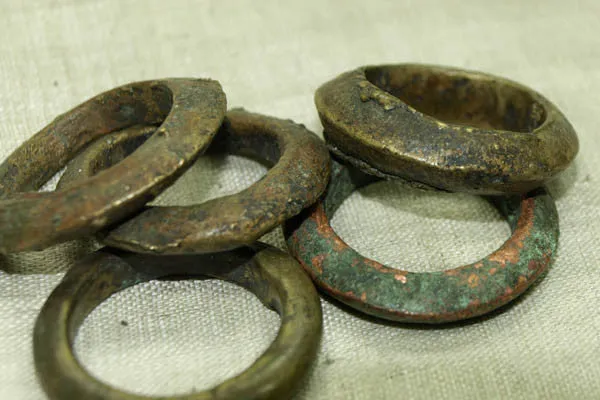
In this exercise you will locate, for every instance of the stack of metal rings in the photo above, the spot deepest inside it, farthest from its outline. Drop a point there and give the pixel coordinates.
(432, 127)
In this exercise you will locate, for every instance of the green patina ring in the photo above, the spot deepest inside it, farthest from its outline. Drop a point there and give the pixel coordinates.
(432, 297)
(297, 179)
(273, 276)
(445, 128)
(190, 112)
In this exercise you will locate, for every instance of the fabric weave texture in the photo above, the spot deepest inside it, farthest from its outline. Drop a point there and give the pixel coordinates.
(174, 337)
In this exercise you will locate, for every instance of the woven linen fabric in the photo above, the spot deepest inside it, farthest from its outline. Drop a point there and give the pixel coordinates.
(174, 337)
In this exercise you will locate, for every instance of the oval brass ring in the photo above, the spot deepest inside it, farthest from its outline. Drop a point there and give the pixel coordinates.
(273, 276)
(189, 112)
(432, 297)
(298, 177)
(445, 128)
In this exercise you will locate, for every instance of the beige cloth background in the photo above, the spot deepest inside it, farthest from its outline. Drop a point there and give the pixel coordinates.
(270, 56)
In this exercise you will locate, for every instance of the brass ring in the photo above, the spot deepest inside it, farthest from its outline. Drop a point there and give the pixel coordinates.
(445, 128)
(297, 179)
(432, 297)
(190, 112)
(273, 276)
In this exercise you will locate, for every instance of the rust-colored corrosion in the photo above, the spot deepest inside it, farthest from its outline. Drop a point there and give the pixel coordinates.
(445, 128)
(273, 276)
(298, 177)
(433, 297)
(188, 112)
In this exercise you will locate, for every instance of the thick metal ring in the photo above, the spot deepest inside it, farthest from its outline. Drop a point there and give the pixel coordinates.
(433, 297)
(273, 276)
(445, 128)
(297, 179)
(190, 112)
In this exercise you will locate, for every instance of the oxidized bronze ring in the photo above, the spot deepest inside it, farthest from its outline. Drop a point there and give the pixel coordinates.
(433, 297)
(273, 276)
(297, 179)
(445, 128)
(190, 112)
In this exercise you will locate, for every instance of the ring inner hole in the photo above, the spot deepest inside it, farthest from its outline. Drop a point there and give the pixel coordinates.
(213, 175)
(461, 99)
(203, 331)
(419, 231)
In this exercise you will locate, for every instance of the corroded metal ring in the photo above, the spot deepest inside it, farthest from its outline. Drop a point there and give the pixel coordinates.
(297, 179)
(433, 297)
(190, 112)
(273, 276)
(445, 128)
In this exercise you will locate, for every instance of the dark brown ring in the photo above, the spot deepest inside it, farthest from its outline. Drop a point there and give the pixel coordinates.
(432, 297)
(445, 128)
(273, 276)
(190, 112)
(297, 179)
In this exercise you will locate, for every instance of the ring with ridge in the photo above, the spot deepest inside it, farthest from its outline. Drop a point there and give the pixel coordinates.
(189, 112)
(445, 128)
(299, 174)
(424, 297)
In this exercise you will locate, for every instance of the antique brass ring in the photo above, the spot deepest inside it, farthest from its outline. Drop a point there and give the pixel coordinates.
(432, 297)
(190, 112)
(273, 276)
(445, 128)
(297, 179)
